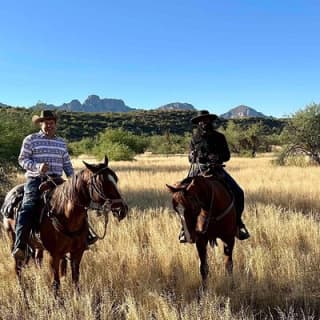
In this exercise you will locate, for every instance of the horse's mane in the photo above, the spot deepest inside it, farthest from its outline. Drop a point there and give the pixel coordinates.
(183, 184)
(75, 188)
(72, 189)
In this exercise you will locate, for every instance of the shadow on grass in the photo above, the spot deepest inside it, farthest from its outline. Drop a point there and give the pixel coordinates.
(291, 202)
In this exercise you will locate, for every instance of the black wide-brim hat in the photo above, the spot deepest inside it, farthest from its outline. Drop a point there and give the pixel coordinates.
(204, 114)
(44, 115)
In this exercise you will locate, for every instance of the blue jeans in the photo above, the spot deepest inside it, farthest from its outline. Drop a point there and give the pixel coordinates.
(28, 212)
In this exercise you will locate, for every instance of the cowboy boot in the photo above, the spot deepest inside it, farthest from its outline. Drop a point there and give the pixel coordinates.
(182, 236)
(242, 232)
(92, 237)
(19, 251)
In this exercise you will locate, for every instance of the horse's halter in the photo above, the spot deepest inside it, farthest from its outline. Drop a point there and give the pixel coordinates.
(108, 203)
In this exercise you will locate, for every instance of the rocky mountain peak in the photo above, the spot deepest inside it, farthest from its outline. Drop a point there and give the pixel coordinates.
(242, 111)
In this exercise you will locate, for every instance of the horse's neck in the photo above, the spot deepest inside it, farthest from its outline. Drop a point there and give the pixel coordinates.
(71, 198)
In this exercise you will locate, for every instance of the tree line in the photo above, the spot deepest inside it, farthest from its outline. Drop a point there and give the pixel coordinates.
(123, 135)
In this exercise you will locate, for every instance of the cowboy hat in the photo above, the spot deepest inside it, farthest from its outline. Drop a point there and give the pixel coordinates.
(44, 115)
(204, 114)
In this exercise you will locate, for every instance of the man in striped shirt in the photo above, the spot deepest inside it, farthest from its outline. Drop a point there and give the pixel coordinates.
(42, 153)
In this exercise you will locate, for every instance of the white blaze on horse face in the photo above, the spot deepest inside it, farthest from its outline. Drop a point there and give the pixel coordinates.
(111, 178)
(180, 208)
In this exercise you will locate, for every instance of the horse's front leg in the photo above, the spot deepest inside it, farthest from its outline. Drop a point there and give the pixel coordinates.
(54, 263)
(201, 244)
(228, 249)
(75, 267)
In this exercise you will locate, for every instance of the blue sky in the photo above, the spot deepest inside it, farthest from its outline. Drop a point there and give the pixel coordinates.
(212, 54)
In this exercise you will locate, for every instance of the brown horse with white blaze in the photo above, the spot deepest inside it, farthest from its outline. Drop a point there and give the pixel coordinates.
(64, 225)
(198, 198)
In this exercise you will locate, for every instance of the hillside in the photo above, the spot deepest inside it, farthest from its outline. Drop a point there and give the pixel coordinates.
(74, 126)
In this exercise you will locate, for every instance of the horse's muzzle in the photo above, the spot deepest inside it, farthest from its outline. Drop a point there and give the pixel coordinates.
(121, 211)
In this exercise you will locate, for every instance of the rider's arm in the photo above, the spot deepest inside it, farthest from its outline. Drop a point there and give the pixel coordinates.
(25, 158)
(67, 165)
(224, 154)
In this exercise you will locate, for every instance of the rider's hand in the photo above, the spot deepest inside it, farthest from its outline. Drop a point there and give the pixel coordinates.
(44, 167)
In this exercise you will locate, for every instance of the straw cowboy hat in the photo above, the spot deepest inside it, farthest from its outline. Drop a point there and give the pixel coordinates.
(204, 114)
(44, 115)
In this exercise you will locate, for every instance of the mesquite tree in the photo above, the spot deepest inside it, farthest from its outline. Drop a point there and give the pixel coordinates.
(302, 135)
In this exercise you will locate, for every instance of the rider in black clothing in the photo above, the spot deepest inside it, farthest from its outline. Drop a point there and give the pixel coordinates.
(209, 146)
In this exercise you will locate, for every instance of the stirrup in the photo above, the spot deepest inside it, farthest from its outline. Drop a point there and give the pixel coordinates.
(182, 238)
(92, 239)
(242, 233)
(20, 255)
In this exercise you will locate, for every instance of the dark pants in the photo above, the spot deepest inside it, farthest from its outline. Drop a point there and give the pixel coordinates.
(238, 195)
(27, 215)
(235, 189)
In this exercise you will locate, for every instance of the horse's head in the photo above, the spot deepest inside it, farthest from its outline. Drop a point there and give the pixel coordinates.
(102, 182)
(188, 197)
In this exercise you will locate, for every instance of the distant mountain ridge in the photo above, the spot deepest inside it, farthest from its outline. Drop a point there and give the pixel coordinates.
(242, 111)
(95, 104)
(177, 106)
(92, 104)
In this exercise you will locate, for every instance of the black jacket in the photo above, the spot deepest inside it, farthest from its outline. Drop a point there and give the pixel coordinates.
(209, 147)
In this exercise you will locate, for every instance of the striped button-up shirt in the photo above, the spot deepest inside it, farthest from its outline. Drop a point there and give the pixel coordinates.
(37, 148)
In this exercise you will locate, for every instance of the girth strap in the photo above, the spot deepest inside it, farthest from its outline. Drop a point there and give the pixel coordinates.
(60, 228)
(225, 212)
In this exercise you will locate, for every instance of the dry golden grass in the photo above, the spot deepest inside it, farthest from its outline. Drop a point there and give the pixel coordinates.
(140, 271)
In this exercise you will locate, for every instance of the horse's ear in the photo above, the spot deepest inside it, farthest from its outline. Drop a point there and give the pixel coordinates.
(89, 166)
(173, 189)
(106, 160)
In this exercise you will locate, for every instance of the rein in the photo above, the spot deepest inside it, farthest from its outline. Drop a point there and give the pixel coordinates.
(210, 210)
(223, 213)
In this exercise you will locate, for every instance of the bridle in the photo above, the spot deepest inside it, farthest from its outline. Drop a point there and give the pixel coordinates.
(93, 187)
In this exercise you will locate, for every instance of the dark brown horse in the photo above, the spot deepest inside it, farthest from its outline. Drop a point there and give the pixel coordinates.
(206, 198)
(64, 225)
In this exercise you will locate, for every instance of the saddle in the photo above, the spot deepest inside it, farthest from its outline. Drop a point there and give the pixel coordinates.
(12, 202)
(14, 197)
(50, 183)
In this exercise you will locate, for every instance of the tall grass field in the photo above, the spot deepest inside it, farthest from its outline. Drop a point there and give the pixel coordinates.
(141, 271)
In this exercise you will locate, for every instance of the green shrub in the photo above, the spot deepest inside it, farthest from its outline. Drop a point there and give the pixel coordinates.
(114, 150)
(118, 144)
(83, 146)
(169, 144)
